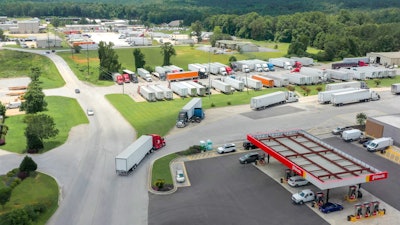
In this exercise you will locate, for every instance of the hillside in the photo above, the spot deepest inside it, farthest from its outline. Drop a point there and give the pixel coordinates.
(263, 7)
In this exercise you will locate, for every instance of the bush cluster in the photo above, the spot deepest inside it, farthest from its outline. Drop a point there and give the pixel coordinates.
(24, 216)
(191, 150)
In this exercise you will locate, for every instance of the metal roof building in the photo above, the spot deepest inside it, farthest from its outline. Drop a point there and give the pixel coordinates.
(321, 164)
(385, 58)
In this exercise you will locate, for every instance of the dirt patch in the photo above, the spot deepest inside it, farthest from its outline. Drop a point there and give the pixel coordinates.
(13, 112)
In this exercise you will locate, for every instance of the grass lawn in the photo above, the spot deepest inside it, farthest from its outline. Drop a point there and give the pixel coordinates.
(58, 107)
(19, 64)
(46, 191)
(161, 169)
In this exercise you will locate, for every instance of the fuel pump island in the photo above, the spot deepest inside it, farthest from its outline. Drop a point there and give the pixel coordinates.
(322, 165)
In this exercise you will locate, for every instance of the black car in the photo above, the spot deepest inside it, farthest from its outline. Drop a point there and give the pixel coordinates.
(249, 158)
(248, 145)
(364, 139)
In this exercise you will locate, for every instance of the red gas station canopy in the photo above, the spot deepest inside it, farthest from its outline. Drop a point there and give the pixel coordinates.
(321, 164)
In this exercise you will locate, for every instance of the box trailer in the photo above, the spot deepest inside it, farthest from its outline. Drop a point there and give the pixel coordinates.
(356, 60)
(168, 93)
(325, 97)
(178, 76)
(198, 68)
(395, 88)
(217, 69)
(221, 86)
(162, 72)
(144, 74)
(130, 158)
(265, 81)
(179, 89)
(315, 72)
(361, 95)
(343, 75)
(296, 79)
(237, 84)
(279, 97)
(282, 62)
(228, 69)
(342, 85)
(305, 61)
(147, 93)
(158, 92)
(279, 81)
(201, 90)
(192, 90)
(251, 83)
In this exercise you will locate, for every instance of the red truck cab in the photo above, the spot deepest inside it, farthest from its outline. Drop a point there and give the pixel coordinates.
(158, 141)
(120, 79)
(229, 70)
(126, 78)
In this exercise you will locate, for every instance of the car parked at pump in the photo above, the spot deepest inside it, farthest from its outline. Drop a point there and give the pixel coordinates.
(330, 207)
(231, 147)
(303, 196)
(250, 157)
(248, 145)
(297, 181)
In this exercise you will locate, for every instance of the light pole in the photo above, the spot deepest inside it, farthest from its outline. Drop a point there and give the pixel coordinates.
(87, 59)
(209, 74)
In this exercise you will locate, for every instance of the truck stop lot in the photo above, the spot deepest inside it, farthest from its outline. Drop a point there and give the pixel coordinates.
(223, 191)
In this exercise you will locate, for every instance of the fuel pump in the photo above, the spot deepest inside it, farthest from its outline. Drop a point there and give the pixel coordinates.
(375, 208)
(358, 211)
(319, 198)
(367, 209)
(288, 174)
(352, 194)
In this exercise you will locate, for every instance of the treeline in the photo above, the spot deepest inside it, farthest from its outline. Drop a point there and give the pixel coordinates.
(345, 34)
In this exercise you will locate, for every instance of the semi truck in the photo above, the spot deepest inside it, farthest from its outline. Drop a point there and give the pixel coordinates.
(325, 97)
(228, 69)
(380, 144)
(395, 88)
(266, 82)
(348, 65)
(129, 159)
(201, 90)
(192, 90)
(188, 75)
(361, 95)
(118, 78)
(252, 83)
(132, 75)
(191, 112)
(279, 97)
(147, 93)
(144, 74)
(221, 86)
(356, 60)
(198, 68)
(296, 79)
(342, 85)
(168, 93)
(315, 72)
(237, 84)
(282, 62)
(241, 66)
(179, 89)
(305, 61)
(159, 93)
(162, 72)
(217, 69)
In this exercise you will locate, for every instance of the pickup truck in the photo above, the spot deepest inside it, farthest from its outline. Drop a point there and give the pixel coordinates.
(303, 196)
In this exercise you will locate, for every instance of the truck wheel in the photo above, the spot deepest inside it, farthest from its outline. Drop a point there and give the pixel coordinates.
(301, 202)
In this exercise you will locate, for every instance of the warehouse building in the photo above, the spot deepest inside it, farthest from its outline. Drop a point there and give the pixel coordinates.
(384, 126)
(385, 58)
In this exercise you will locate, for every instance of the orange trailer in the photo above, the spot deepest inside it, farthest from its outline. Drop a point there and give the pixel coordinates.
(266, 82)
(188, 75)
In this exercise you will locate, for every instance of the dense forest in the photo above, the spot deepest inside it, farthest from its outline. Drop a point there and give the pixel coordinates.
(341, 28)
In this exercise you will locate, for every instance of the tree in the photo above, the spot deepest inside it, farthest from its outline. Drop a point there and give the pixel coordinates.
(2, 36)
(35, 73)
(108, 61)
(5, 195)
(2, 111)
(377, 82)
(27, 165)
(361, 118)
(139, 58)
(167, 50)
(17, 217)
(34, 99)
(39, 127)
(197, 27)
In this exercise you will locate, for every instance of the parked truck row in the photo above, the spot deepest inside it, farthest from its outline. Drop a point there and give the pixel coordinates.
(129, 159)
(361, 95)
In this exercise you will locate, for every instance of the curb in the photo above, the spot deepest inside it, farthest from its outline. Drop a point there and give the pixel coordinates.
(151, 190)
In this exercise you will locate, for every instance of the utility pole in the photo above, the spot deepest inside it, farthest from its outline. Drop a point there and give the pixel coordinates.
(209, 74)
(87, 58)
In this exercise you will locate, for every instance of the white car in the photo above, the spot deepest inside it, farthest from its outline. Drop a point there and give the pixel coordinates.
(226, 148)
(303, 196)
(180, 176)
(90, 112)
(297, 181)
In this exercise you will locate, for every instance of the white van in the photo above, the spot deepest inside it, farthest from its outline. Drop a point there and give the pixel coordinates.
(351, 135)
(380, 144)
(13, 105)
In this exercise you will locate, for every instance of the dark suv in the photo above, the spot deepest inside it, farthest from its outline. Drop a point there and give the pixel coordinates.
(248, 145)
(249, 158)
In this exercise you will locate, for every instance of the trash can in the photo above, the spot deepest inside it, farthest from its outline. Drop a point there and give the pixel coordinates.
(209, 144)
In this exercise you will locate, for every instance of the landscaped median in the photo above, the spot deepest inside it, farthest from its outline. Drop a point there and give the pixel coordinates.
(161, 176)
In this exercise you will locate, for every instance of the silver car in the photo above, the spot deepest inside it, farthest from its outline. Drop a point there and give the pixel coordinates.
(226, 148)
(180, 176)
(297, 181)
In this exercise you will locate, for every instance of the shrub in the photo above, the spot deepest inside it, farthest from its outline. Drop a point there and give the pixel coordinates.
(319, 88)
(290, 87)
(15, 182)
(191, 150)
(23, 174)
(228, 103)
(212, 105)
(13, 172)
(159, 183)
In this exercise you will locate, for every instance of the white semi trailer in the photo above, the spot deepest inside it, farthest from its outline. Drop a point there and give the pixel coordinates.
(251, 83)
(282, 62)
(296, 79)
(395, 88)
(315, 72)
(221, 86)
(179, 89)
(279, 97)
(168, 93)
(237, 84)
(279, 81)
(192, 90)
(325, 97)
(147, 93)
(217, 69)
(305, 61)
(201, 90)
(144, 74)
(159, 92)
(341, 85)
(343, 75)
(361, 95)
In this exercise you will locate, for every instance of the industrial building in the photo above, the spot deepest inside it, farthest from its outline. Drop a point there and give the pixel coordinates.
(384, 126)
(237, 45)
(385, 58)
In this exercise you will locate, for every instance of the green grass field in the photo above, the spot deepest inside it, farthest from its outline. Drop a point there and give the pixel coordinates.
(46, 191)
(58, 108)
(161, 169)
